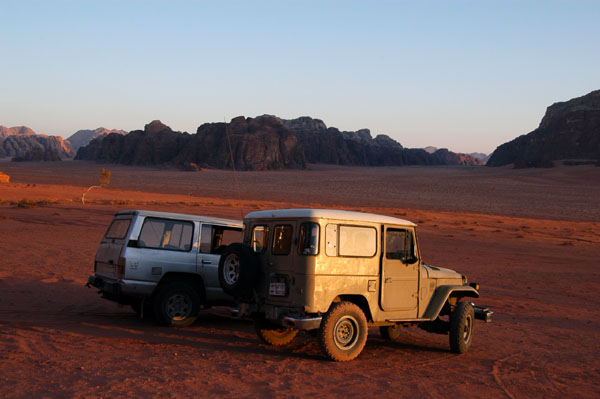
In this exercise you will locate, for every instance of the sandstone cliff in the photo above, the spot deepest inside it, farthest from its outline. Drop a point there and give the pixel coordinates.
(328, 145)
(257, 144)
(568, 130)
(23, 144)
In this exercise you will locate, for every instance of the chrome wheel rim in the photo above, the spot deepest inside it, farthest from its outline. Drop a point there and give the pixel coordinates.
(231, 269)
(179, 306)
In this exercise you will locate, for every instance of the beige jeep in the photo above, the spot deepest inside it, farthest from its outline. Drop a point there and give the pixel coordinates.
(335, 273)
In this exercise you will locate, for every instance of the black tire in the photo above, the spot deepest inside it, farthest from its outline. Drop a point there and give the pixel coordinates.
(272, 334)
(238, 270)
(177, 304)
(391, 333)
(343, 332)
(462, 323)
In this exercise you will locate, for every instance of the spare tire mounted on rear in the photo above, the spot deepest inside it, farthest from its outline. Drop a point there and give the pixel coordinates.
(238, 270)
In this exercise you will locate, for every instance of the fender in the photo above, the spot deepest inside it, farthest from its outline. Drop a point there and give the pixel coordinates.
(442, 294)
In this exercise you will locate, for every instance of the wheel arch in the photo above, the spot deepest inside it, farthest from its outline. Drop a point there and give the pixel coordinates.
(193, 279)
(359, 301)
(447, 293)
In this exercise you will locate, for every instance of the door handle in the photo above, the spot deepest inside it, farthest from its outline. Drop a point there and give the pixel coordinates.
(206, 262)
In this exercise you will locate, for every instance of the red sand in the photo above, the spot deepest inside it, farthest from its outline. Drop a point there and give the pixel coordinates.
(530, 238)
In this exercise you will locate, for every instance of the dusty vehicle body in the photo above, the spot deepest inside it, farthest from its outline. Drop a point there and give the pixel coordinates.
(165, 264)
(335, 273)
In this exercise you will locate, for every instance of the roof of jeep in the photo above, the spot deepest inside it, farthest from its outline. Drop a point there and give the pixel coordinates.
(327, 214)
(169, 215)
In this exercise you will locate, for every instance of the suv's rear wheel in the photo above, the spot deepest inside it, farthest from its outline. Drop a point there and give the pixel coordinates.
(238, 270)
(273, 334)
(343, 331)
(462, 322)
(177, 304)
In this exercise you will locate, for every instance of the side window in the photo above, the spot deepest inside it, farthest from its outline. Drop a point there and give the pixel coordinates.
(213, 239)
(259, 238)
(282, 240)
(118, 229)
(166, 234)
(400, 244)
(308, 243)
(357, 241)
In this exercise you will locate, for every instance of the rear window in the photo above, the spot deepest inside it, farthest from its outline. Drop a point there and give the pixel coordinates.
(168, 234)
(118, 229)
(260, 236)
(213, 238)
(282, 240)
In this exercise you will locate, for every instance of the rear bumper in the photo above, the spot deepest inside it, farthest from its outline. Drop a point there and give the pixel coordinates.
(114, 289)
(302, 324)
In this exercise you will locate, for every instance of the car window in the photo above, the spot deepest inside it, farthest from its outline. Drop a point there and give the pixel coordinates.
(282, 240)
(214, 238)
(357, 241)
(166, 234)
(308, 242)
(400, 244)
(118, 229)
(259, 238)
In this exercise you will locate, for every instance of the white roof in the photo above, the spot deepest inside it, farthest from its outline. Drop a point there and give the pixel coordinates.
(327, 214)
(169, 215)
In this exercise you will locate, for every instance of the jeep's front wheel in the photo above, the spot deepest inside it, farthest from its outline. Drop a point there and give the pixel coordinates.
(391, 333)
(343, 332)
(462, 323)
(177, 304)
(272, 334)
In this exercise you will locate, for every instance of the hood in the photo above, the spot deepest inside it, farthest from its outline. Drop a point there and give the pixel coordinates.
(439, 272)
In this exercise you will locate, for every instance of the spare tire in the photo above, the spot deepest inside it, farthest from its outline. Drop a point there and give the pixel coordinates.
(238, 270)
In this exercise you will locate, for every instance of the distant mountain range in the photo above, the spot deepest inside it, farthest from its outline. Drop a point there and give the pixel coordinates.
(83, 137)
(261, 143)
(22, 144)
(477, 155)
(568, 130)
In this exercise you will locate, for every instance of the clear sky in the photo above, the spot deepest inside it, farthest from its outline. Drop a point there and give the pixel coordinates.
(465, 75)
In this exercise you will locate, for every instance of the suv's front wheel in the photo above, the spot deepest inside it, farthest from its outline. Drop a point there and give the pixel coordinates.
(343, 331)
(177, 304)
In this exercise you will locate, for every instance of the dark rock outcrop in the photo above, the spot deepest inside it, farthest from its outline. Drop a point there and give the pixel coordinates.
(83, 137)
(257, 144)
(568, 130)
(328, 145)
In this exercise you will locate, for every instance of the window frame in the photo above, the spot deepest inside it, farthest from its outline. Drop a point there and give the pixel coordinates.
(266, 242)
(338, 243)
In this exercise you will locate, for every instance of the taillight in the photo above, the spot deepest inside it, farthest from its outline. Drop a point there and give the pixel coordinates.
(121, 267)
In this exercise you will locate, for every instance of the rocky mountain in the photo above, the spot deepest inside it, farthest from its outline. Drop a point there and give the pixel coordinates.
(329, 145)
(480, 156)
(568, 130)
(17, 130)
(257, 144)
(23, 144)
(83, 137)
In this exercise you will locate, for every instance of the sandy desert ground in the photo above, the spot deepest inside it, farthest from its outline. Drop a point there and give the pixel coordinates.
(531, 238)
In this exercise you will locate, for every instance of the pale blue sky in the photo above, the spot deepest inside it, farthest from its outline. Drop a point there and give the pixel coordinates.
(466, 75)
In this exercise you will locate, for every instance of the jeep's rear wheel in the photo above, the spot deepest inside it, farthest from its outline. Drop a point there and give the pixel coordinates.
(462, 323)
(343, 332)
(238, 269)
(272, 334)
(391, 333)
(177, 304)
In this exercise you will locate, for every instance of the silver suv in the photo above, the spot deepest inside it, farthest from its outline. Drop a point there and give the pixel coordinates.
(165, 264)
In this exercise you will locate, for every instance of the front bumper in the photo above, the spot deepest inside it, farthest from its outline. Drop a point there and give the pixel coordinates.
(484, 314)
